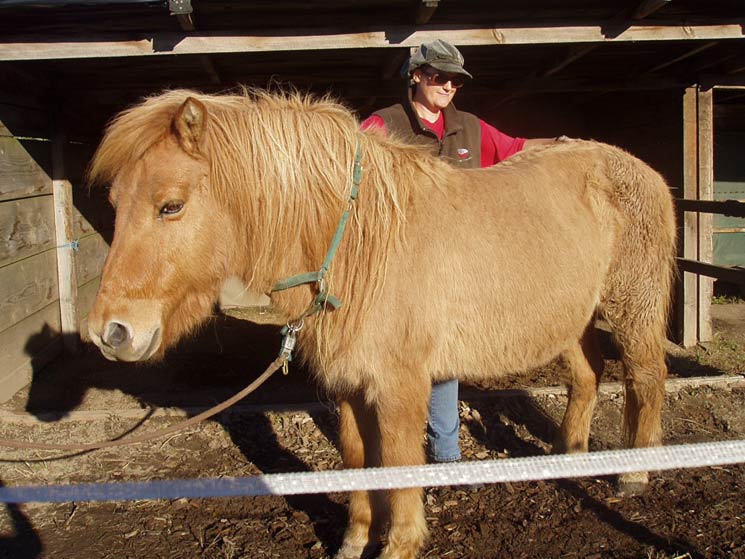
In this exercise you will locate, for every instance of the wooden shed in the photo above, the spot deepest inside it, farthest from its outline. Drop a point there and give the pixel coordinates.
(662, 78)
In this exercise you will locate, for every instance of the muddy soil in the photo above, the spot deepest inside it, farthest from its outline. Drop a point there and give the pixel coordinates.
(290, 426)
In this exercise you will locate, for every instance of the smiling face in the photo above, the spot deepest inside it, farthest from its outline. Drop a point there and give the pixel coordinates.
(433, 90)
(162, 272)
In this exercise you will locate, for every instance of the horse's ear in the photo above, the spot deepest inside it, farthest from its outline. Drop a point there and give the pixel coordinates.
(189, 124)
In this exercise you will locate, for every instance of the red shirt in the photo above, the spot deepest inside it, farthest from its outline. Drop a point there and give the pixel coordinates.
(495, 145)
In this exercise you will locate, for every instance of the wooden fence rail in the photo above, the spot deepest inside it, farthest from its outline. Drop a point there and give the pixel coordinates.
(730, 208)
(732, 275)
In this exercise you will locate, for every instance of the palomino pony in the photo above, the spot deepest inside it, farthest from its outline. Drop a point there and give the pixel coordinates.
(441, 272)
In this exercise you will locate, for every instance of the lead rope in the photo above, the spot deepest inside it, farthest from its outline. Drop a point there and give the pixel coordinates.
(275, 365)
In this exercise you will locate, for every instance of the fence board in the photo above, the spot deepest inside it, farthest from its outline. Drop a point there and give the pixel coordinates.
(90, 258)
(92, 212)
(26, 287)
(730, 275)
(23, 168)
(26, 228)
(26, 347)
(731, 208)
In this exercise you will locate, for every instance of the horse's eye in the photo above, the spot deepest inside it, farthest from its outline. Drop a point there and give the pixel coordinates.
(172, 207)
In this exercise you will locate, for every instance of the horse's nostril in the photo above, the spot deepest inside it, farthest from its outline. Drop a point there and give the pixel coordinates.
(116, 334)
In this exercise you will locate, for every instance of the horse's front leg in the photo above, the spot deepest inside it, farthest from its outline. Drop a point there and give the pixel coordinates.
(402, 415)
(358, 435)
(585, 363)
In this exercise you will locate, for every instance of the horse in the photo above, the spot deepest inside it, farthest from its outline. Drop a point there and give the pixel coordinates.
(440, 273)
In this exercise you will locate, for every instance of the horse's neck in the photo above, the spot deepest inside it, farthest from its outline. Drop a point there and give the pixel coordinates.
(278, 251)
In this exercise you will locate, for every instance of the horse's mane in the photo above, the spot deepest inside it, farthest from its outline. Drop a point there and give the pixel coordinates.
(283, 162)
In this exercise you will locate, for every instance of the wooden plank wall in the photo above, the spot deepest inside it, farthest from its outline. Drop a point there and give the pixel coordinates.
(30, 321)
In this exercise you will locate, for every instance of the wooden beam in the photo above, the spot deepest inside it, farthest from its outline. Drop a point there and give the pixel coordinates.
(534, 86)
(186, 22)
(731, 275)
(731, 208)
(731, 87)
(392, 68)
(210, 69)
(677, 59)
(736, 70)
(699, 68)
(574, 53)
(183, 11)
(425, 10)
(719, 81)
(648, 7)
(121, 45)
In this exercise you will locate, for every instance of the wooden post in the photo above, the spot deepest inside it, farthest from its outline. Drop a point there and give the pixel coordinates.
(66, 247)
(698, 184)
(705, 220)
(689, 295)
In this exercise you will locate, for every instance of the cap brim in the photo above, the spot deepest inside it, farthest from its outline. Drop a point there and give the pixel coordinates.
(450, 68)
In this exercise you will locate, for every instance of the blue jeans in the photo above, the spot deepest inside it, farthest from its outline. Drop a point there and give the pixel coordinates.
(444, 422)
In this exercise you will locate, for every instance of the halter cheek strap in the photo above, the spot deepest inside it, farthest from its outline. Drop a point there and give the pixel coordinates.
(323, 297)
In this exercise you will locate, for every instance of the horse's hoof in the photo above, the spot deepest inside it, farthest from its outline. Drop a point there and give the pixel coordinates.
(561, 446)
(350, 552)
(558, 447)
(631, 484)
(356, 551)
(388, 553)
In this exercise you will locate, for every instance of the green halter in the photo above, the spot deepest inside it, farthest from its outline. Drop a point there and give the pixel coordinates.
(324, 298)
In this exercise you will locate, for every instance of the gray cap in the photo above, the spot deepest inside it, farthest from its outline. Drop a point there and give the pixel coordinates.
(439, 54)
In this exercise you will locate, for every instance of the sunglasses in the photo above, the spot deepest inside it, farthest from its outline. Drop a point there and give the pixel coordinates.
(456, 80)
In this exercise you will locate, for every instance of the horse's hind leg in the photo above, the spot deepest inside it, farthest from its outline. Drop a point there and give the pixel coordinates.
(645, 372)
(639, 326)
(359, 438)
(585, 364)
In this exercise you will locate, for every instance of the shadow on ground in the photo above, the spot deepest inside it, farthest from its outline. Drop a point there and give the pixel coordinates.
(230, 353)
(226, 356)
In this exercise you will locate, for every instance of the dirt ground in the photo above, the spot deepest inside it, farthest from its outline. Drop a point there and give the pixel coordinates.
(289, 426)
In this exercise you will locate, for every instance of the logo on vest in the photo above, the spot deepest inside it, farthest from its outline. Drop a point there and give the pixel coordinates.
(463, 154)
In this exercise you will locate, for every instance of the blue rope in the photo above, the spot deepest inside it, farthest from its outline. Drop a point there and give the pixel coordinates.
(74, 245)
(431, 475)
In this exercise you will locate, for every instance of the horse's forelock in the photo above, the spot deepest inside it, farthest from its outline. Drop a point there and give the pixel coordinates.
(131, 133)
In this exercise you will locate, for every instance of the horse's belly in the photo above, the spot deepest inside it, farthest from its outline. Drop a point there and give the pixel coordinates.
(511, 310)
(530, 334)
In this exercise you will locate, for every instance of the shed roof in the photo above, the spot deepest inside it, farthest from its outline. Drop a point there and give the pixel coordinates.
(108, 52)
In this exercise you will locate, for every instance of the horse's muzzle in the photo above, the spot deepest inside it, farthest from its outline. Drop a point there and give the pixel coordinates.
(118, 341)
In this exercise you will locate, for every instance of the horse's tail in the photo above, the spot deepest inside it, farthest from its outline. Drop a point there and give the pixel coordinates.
(636, 298)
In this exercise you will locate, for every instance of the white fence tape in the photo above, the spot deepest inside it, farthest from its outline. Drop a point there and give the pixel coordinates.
(488, 471)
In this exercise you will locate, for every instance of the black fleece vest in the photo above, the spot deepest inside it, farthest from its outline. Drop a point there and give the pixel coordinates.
(461, 141)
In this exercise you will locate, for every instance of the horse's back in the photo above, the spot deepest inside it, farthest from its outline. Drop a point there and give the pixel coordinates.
(512, 262)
